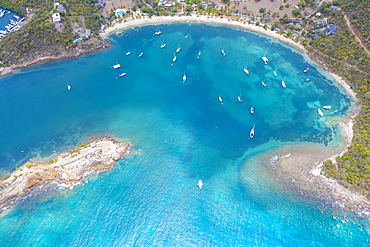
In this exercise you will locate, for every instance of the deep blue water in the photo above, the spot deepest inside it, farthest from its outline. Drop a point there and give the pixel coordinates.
(181, 134)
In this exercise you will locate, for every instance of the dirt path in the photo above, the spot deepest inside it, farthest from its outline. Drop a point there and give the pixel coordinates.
(357, 38)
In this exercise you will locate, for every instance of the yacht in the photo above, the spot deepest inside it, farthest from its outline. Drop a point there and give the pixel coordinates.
(265, 60)
(184, 78)
(306, 70)
(199, 53)
(275, 74)
(140, 54)
(69, 87)
(327, 107)
(246, 70)
(220, 99)
(264, 84)
(200, 184)
(178, 49)
(122, 74)
(116, 66)
(158, 31)
(251, 134)
(319, 111)
(252, 109)
(223, 52)
(240, 98)
(283, 83)
(128, 53)
(163, 45)
(174, 57)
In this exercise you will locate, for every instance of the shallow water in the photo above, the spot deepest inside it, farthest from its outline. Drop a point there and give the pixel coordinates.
(181, 134)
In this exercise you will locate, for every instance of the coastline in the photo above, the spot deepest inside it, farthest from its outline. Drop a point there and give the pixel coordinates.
(64, 171)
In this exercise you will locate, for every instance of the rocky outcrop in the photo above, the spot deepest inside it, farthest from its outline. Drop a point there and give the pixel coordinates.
(66, 169)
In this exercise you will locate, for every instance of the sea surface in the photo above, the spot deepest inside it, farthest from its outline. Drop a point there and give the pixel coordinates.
(181, 133)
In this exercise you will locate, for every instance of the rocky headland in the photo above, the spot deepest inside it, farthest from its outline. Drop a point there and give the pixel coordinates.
(65, 170)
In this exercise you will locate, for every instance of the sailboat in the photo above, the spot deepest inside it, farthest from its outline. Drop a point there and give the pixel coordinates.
(163, 45)
(275, 74)
(223, 52)
(252, 109)
(251, 134)
(158, 31)
(220, 99)
(140, 54)
(200, 184)
(174, 58)
(178, 49)
(240, 98)
(264, 84)
(184, 78)
(128, 53)
(122, 74)
(199, 53)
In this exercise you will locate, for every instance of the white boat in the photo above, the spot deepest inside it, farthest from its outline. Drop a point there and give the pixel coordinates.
(178, 49)
(252, 109)
(128, 53)
(199, 53)
(220, 99)
(223, 52)
(116, 66)
(319, 111)
(187, 36)
(69, 87)
(158, 31)
(140, 54)
(264, 84)
(283, 83)
(122, 74)
(251, 134)
(200, 184)
(275, 74)
(306, 70)
(327, 107)
(308, 79)
(174, 57)
(246, 70)
(163, 45)
(265, 60)
(184, 78)
(240, 98)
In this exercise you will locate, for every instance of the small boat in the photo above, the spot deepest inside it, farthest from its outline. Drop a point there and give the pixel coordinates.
(184, 78)
(223, 52)
(158, 31)
(116, 66)
(200, 184)
(319, 111)
(265, 60)
(199, 53)
(122, 74)
(163, 45)
(251, 134)
(283, 83)
(306, 70)
(246, 70)
(174, 57)
(308, 79)
(240, 98)
(128, 53)
(220, 99)
(69, 87)
(252, 109)
(140, 54)
(327, 107)
(187, 36)
(264, 84)
(275, 74)
(178, 49)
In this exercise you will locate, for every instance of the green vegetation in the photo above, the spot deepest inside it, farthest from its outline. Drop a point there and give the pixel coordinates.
(11, 6)
(53, 160)
(6, 177)
(28, 165)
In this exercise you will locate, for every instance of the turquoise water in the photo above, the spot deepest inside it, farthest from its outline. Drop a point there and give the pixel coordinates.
(181, 134)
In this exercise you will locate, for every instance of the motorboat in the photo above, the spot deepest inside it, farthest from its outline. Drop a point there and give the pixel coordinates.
(265, 60)
(240, 98)
(158, 31)
(246, 70)
(178, 49)
(174, 57)
(319, 111)
(122, 74)
(163, 45)
(69, 87)
(187, 36)
(128, 53)
(199, 53)
(264, 84)
(251, 134)
(306, 70)
(184, 78)
(223, 52)
(275, 74)
(140, 54)
(220, 99)
(200, 184)
(252, 109)
(327, 107)
(116, 66)
(308, 79)
(283, 83)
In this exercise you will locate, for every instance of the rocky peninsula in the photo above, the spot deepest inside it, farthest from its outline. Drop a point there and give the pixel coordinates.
(65, 170)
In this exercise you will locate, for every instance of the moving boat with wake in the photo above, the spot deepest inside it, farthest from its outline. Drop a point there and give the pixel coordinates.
(251, 134)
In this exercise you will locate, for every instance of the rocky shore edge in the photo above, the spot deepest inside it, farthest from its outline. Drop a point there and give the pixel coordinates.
(64, 171)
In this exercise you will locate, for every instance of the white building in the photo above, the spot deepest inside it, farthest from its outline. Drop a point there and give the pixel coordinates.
(56, 17)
